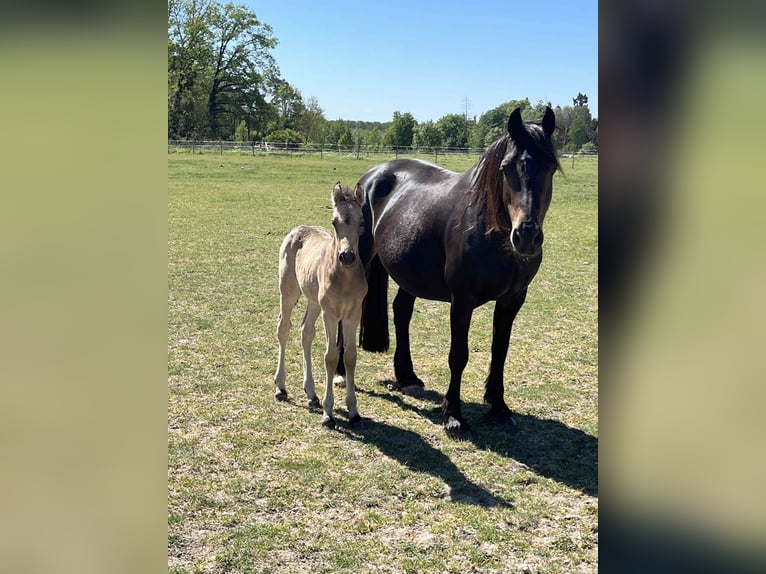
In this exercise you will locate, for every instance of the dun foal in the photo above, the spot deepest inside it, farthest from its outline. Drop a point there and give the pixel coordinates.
(329, 273)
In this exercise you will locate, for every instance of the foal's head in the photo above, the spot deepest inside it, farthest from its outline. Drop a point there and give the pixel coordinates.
(347, 222)
(516, 177)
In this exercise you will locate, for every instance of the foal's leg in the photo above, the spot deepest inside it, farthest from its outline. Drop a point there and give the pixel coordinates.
(349, 331)
(502, 322)
(308, 331)
(403, 306)
(461, 311)
(330, 362)
(289, 293)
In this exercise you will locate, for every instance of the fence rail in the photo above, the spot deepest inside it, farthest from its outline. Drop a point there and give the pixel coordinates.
(256, 148)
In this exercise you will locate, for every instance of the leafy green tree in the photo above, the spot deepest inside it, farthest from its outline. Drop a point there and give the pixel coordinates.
(189, 55)
(311, 120)
(284, 136)
(219, 65)
(401, 131)
(494, 122)
(346, 139)
(371, 138)
(454, 130)
(580, 100)
(241, 63)
(427, 135)
(289, 104)
(241, 133)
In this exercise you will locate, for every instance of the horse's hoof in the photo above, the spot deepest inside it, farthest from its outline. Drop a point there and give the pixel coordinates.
(501, 416)
(339, 382)
(328, 422)
(281, 395)
(355, 421)
(457, 429)
(314, 403)
(417, 391)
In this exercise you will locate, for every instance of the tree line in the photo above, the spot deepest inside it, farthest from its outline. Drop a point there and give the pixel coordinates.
(224, 83)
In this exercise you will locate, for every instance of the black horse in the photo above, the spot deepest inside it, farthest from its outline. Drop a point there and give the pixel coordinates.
(465, 238)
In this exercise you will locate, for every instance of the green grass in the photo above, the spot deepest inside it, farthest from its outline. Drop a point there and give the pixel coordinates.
(255, 485)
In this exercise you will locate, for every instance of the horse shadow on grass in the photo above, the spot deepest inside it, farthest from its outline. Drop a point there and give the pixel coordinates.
(414, 452)
(547, 447)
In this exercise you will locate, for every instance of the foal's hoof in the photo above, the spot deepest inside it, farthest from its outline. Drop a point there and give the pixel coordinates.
(280, 395)
(328, 422)
(355, 421)
(456, 428)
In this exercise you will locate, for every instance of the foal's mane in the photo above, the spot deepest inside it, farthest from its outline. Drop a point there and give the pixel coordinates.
(487, 177)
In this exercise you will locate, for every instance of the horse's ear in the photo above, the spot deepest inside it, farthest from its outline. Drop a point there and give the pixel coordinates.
(358, 194)
(516, 125)
(549, 121)
(337, 192)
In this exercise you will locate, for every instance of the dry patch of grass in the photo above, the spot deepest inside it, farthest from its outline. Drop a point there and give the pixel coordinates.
(258, 486)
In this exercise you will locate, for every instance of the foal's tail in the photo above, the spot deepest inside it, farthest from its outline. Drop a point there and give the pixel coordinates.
(373, 335)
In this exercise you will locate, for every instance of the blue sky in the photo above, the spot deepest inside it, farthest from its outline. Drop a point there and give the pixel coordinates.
(365, 59)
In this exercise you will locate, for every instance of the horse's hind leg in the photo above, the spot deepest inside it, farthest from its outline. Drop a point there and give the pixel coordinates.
(289, 292)
(339, 380)
(403, 306)
(287, 302)
(308, 331)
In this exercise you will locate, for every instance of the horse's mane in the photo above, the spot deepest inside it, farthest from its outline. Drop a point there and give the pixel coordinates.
(487, 178)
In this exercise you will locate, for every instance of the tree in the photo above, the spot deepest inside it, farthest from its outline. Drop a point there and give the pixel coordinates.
(401, 131)
(580, 100)
(284, 136)
(494, 122)
(219, 65)
(289, 104)
(346, 139)
(581, 129)
(189, 55)
(312, 120)
(454, 130)
(427, 135)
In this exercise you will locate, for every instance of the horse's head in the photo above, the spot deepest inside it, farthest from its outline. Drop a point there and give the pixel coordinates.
(347, 222)
(527, 172)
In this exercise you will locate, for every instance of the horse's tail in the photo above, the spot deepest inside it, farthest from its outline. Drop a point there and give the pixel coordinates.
(373, 335)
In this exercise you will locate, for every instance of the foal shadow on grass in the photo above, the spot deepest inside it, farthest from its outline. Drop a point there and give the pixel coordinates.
(547, 447)
(411, 450)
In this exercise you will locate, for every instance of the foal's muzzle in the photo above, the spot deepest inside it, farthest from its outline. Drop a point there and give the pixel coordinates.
(527, 238)
(347, 258)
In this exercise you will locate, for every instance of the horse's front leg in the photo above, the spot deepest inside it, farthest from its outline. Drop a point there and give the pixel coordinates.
(350, 326)
(502, 322)
(330, 362)
(403, 306)
(460, 322)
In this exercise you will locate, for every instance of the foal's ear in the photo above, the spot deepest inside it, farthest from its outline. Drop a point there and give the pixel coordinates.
(549, 121)
(337, 192)
(516, 125)
(358, 194)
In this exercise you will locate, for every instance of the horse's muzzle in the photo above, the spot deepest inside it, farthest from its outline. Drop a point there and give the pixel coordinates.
(347, 258)
(527, 238)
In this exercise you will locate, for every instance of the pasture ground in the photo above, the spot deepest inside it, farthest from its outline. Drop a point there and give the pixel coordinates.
(255, 485)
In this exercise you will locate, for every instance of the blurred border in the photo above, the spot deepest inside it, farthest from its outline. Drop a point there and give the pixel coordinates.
(83, 291)
(681, 327)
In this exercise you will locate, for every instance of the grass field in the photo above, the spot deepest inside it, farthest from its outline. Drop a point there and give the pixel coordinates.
(256, 485)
